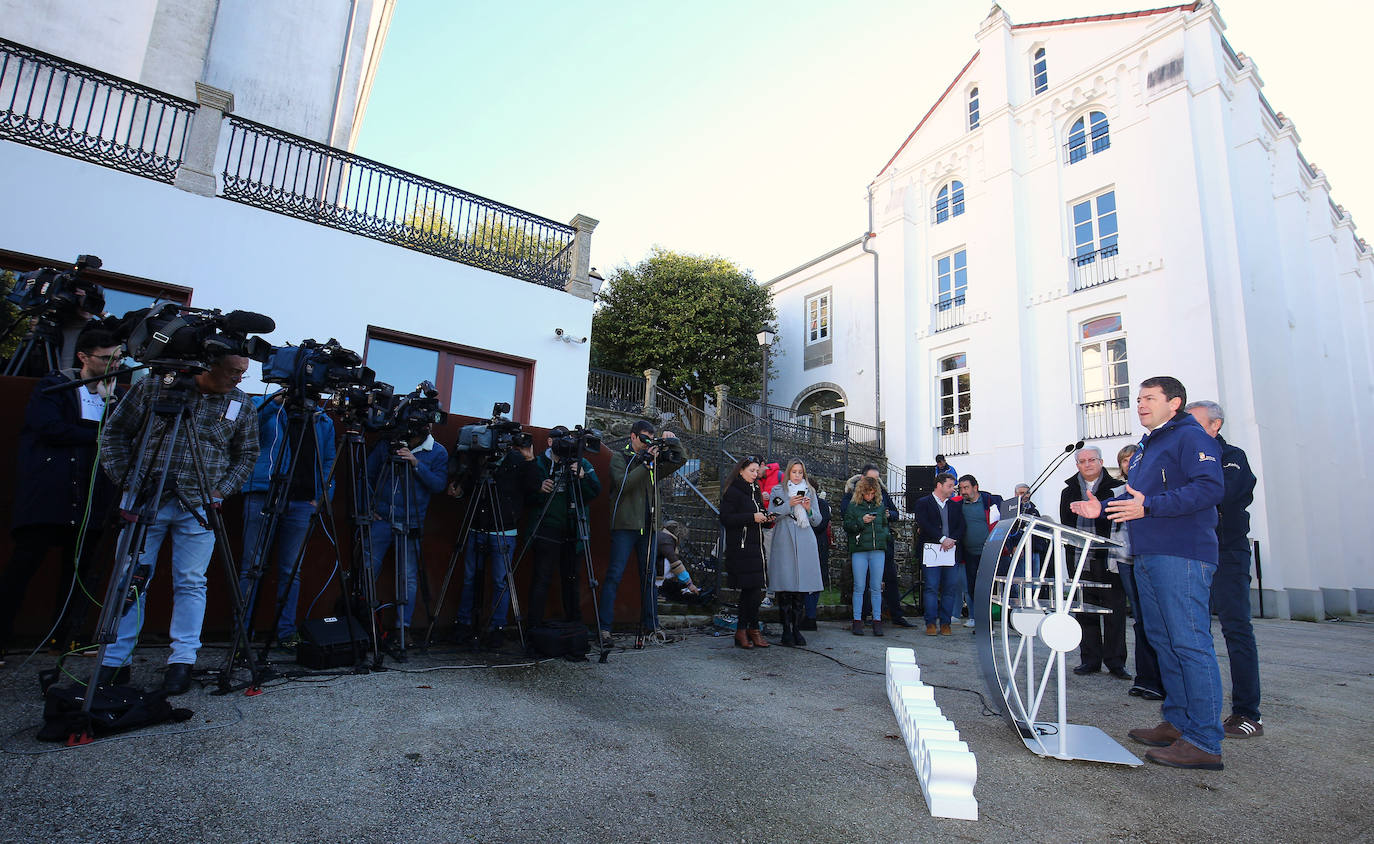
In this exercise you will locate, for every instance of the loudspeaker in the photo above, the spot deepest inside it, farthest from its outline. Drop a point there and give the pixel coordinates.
(920, 481)
(330, 642)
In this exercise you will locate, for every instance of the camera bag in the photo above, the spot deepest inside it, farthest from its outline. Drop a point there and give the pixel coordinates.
(560, 638)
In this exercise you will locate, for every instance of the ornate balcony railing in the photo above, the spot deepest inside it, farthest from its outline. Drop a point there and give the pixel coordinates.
(1101, 419)
(952, 437)
(68, 108)
(614, 390)
(1093, 268)
(1077, 148)
(949, 313)
(277, 171)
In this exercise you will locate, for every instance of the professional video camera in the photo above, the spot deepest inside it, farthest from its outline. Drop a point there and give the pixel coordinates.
(575, 443)
(174, 334)
(495, 437)
(313, 368)
(408, 415)
(52, 291)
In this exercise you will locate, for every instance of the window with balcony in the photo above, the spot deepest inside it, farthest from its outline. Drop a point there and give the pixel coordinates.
(949, 202)
(1094, 240)
(1105, 403)
(956, 405)
(1040, 71)
(1087, 136)
(951, 283)
(973, 109)
(469, 380)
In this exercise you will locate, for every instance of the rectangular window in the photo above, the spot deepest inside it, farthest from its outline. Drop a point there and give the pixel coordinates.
(951, 277)
(1094, 227)
(1104, 408)
(818, 318)
(955, 409)
(469, 380)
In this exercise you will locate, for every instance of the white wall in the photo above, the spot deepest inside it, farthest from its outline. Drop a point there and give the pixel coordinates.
(316, 282)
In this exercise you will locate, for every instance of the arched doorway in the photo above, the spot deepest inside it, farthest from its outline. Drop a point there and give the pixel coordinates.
(823, 411)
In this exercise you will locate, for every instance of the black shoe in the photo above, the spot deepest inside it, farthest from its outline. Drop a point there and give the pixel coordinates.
(798, 638)
(901, 621)
(113, 676)
(1119, 673)
(496, 637)
(177, 680)
(463, 635)
(1087, 669)
(1143, 692)
(807, 624)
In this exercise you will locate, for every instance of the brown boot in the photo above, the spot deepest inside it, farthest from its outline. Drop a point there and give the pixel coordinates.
(1161, 736)
(1183, 754)
(756, 636)
(945, 631)
(742, 640)
(930, 630)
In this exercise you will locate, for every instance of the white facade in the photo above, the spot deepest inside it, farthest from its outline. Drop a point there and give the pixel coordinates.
(305, 66)
(1208, 235)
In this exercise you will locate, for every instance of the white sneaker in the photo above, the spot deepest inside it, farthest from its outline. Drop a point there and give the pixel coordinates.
(970, 623)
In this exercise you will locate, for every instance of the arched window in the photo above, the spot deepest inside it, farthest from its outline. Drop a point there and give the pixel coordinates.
(823, 411)
(1040, 72)
(949, 202)
(1104, 408)
(973, 109)
(1088, 135)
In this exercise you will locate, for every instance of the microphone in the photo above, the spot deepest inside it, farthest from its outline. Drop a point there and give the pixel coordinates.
(1054, 464)
(248, 322)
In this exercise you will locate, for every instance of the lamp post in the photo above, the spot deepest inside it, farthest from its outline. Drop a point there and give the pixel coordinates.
(766, 341)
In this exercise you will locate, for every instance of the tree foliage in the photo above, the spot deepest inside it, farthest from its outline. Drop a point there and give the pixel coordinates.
(694, 318)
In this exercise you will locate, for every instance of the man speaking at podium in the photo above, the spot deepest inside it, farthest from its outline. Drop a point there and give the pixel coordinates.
(1171, 498)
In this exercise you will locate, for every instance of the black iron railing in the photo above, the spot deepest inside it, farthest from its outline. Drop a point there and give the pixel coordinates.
(1093, 268)
(949, 313)
(277, 171)
(1079, 144)
(68, 108)
(1101, 419)
(951, 437)
(615, 390)
(944, 209)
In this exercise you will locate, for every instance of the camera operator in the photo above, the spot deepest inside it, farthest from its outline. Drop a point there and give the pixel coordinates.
(634, 518)
(278, 429)
(555, 541)
(428, 461)
(493, 529)
(57, 500)
(222, 422)
(78, 311)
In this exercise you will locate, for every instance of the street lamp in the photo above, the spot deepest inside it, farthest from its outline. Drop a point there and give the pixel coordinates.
(766, 341)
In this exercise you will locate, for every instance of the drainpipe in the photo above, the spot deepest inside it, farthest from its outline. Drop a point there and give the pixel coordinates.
(877, 360)
(343, 71)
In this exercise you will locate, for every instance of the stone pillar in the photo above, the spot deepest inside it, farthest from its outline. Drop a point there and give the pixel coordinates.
(197, 171)
(722, 395)
(579, 284)
(650, 390)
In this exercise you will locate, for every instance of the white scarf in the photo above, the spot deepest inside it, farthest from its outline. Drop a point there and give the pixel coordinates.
(798, 511)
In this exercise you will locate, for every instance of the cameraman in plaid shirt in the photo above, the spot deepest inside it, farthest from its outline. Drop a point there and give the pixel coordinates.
(225, 427)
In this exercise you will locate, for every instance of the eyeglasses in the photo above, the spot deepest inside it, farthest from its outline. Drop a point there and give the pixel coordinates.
(105, 358)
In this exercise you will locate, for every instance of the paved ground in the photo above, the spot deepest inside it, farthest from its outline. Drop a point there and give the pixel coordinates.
(692, 741)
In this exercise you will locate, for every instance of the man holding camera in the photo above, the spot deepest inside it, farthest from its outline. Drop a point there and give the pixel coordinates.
(635, 472)
(223, 425)
(403, 477)
(555, 543)
(57, 502)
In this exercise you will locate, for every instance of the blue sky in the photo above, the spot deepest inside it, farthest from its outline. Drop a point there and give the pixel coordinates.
(749, 129)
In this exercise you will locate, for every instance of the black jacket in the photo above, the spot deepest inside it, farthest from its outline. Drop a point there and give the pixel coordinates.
(927, 515)
(743, 536)
(515, 480)
(57, 451)
(1233, 514)
(1106, 489)
(823, 528)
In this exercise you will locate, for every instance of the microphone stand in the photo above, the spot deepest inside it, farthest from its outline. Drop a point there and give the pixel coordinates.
(1049, 470)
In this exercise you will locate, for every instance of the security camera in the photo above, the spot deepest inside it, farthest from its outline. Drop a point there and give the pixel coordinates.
(558, 332)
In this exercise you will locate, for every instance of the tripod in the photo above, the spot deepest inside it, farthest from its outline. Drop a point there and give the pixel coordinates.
(648, 598)
(44, 339)
(402, 534)
(146, 489)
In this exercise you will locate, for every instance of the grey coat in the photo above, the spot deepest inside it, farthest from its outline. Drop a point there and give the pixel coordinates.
(794, 561)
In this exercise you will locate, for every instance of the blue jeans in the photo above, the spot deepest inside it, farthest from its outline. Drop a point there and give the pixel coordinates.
(1174, 595)
(382, 539)
(1231, 603)
(868, 571)
(192, 546)
(645, 545)
(944, 585)
(496, 550)
(1146, 663)
(290, 535)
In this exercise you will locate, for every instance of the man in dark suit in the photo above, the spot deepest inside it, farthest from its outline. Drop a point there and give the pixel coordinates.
(1104, 636)
(942, 527)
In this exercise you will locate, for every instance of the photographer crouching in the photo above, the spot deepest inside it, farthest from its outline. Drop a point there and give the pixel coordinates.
(635, 472)
(222, 424)
(557, 543)
(61, 498)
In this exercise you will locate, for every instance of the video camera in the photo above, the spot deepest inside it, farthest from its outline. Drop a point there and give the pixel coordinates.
(408, 415)
(49, 291)
(174, 334)
(495, 437)
(364, 406)
(313, 368)
(575, 443)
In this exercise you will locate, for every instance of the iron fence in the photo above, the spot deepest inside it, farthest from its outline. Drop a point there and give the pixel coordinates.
(1093, 268)
(614, 390)
(1101, 419)
(949, 313)
(277, 171)
(63, 107)
(952, 438)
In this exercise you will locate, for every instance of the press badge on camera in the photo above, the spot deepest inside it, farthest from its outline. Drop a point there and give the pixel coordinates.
(232, 411)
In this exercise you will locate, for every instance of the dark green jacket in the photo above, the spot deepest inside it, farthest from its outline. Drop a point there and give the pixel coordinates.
(630, 488)
(557, 520)
(866, 537)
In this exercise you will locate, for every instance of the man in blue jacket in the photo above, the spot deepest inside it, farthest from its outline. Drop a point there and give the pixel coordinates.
(1171, 500)
(279, 430)
(941, 523)
(1231, 586)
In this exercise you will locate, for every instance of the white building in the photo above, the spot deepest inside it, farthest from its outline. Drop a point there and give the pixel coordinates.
(1092, 202)
(188, 150)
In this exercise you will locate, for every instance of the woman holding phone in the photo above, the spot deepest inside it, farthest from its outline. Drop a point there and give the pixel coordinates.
(794, 564)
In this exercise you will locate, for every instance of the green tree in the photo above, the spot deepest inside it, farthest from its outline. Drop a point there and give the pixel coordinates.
(694, 318)
(426, 220)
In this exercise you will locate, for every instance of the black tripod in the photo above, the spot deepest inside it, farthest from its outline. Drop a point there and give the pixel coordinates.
(401, 543)
(44, 341)
(647, 594)
(146, 490)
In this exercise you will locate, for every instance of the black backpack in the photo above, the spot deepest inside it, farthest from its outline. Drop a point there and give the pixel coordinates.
(114, 709)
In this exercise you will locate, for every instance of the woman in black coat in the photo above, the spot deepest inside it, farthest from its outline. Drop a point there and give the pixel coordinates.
(743, 515)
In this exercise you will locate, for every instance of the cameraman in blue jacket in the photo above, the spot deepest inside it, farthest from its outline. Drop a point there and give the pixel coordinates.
(1171, 499)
